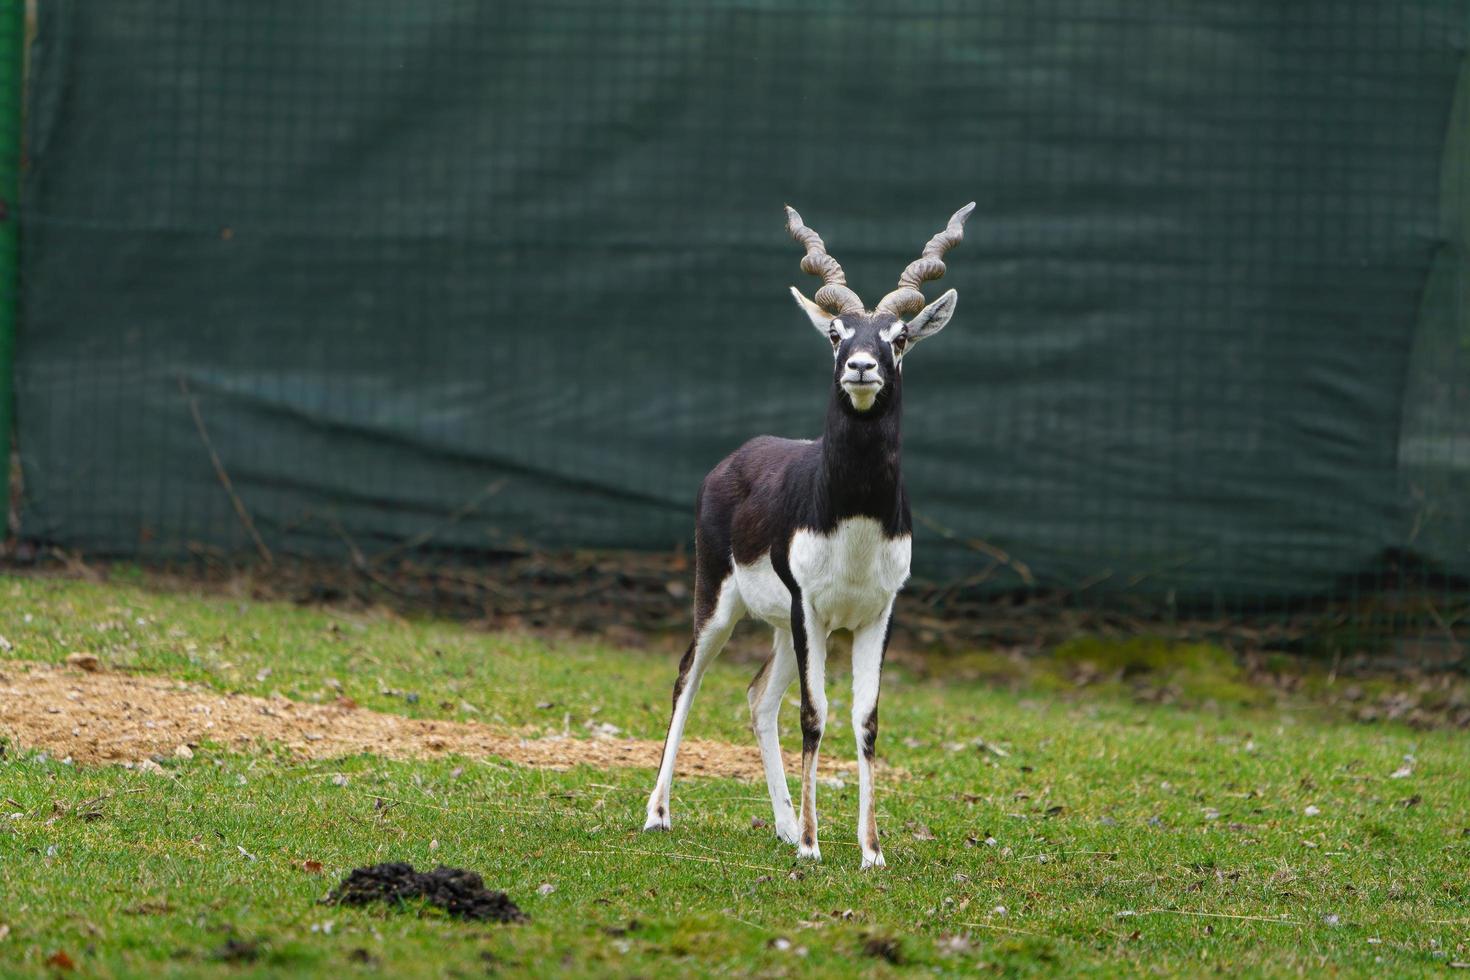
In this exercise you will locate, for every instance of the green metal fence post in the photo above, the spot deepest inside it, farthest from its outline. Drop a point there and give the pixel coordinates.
(12, 80)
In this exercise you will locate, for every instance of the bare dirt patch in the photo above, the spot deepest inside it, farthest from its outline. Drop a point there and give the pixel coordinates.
(110, 717)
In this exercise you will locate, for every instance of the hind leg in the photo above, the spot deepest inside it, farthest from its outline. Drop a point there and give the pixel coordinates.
(765, 695)
(709, 640)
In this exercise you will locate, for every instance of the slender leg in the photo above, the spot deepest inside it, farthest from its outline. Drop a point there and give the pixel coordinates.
(708, 642)
(765, 695)
(810, 640)
(868, 647)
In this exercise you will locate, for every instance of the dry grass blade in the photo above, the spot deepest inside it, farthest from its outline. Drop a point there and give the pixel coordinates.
(223, 475)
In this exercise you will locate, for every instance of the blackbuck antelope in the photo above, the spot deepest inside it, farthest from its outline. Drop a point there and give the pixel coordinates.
(814, 536)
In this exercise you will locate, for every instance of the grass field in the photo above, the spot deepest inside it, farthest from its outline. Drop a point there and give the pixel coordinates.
(1111, 836)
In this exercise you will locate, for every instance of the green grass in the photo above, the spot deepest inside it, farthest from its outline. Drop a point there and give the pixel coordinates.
(1126, 837)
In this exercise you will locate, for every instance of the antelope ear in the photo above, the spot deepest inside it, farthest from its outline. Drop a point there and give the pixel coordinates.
(932, 318)
(820, 318)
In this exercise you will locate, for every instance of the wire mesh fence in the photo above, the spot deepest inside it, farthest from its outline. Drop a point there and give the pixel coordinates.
(384, 283)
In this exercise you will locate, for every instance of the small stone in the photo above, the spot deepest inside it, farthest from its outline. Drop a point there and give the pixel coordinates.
(546, 888)
(183, 752)
(1312, 811)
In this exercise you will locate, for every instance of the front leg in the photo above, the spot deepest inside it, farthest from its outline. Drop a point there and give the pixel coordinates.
(868, 646)
(810, 637)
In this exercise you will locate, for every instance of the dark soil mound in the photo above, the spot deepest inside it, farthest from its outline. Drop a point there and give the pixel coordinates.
(459, 892)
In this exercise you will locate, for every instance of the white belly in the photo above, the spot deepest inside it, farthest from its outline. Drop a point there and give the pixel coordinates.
(848, 577)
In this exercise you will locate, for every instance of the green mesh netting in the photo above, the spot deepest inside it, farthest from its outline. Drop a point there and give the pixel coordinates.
(486, 276)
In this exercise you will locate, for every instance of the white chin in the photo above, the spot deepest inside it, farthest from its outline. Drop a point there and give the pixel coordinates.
(862, 398)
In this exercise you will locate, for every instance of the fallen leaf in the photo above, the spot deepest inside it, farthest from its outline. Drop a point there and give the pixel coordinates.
(311, 867)
(60, 960)
(87, 662)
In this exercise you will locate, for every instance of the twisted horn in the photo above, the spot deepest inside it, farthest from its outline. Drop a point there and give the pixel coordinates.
(906, 300)
(834, 296)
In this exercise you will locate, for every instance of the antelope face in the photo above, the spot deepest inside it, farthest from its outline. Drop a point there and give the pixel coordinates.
(866, 351)
(868, 346)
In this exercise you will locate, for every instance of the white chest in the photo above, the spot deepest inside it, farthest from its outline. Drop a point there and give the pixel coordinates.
(850, 575)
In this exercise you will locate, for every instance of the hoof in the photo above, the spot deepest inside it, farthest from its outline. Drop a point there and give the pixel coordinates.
(873, 861)
(658, 817)
(813, 853)
(787, 832)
